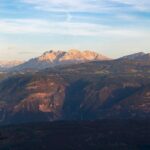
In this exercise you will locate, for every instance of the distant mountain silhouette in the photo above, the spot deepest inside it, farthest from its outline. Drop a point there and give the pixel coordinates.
(138, 56)
(55, 58)
(5, 65)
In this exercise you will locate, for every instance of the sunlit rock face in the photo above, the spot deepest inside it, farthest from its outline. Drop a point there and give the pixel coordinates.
(39, 96)
(79, 56)
(72, 55)
(59, 58)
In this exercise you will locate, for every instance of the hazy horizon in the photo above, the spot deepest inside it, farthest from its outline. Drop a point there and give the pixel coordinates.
(39, 54)
(111, 27)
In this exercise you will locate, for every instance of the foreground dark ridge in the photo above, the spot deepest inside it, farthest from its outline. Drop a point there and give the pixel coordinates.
(94, 90)
(89, 135)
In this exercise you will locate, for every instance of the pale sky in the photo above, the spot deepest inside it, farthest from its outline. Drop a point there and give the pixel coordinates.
(111, 27)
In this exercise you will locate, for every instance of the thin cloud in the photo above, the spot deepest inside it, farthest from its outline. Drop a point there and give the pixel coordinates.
(28, 52)
(89, 5)
(140, 5)
(37, 26)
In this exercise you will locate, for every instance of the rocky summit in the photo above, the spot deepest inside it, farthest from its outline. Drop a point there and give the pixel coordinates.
(55, 58)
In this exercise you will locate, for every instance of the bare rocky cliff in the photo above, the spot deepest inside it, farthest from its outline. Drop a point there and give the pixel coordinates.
(60, 58)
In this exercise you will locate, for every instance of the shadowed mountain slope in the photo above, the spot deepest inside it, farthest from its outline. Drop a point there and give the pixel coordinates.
(87, 91)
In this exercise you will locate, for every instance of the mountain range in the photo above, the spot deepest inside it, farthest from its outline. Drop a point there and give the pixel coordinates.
(76, 85)
(55, 58)
(60, 58)
(138, 56)
(91, 89)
